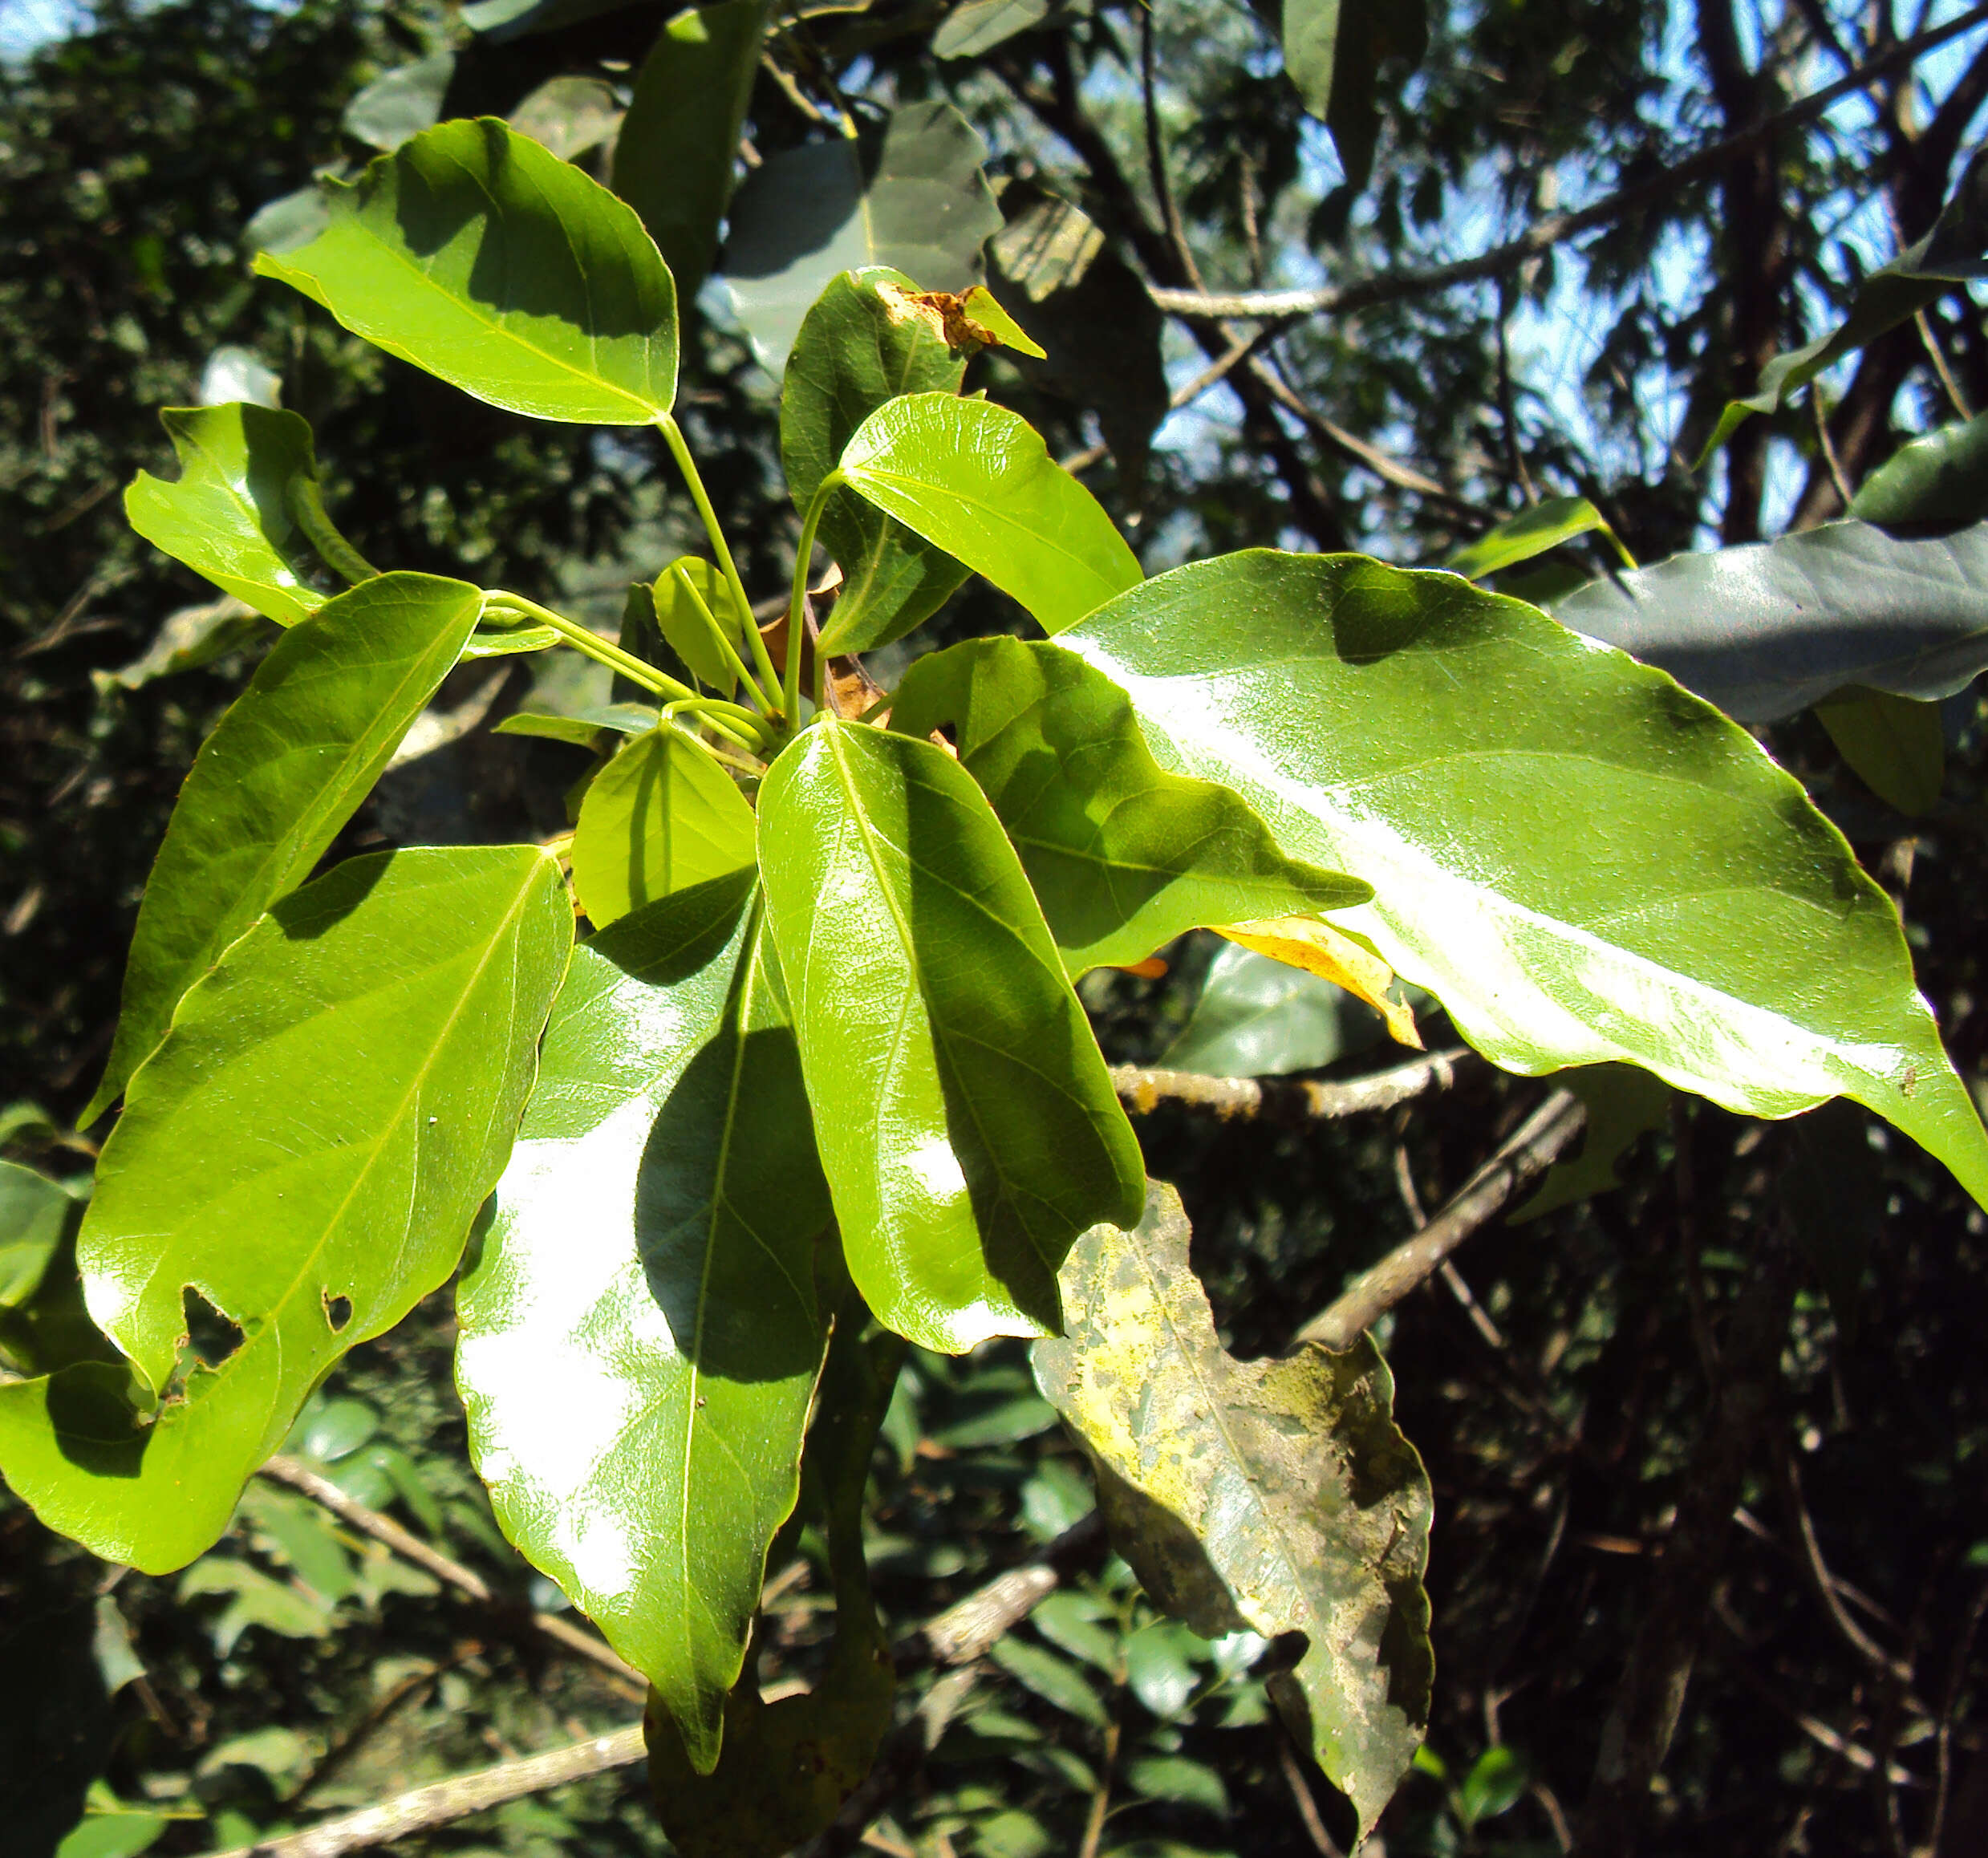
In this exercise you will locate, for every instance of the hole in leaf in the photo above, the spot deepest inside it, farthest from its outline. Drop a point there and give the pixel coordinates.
(337, 1311)
(209, 1340)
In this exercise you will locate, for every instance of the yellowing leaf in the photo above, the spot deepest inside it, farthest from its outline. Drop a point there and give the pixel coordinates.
(1318, 948)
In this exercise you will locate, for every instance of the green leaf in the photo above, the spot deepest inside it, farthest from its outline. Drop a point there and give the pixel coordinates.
(345, 1085)
(1941, 477)
(661, 817)
(227, 516)
(1833, 1189)
(977, 25)
(1172, 1777)
(569, 114)
(1765, 629)
(912, 197)
(977, 480)
(862, 343)
(1159, 1664)
(1333, 50)
(35, 1212)
(1277, 1495)
(1622, 1103)
(968, 1124)
(254, 1599)
(1896, 745)
(114, 1835)
(679, 142)
(1496, 1784)
(695, 609)
(187, 639)
(1122, 856)
(1261, 1018)
(396, 106)
(1069, 1621)
(475, 254)
(283, 771)
(1955, 251)
(1101, 330)
(501, 21)
(583, 730)
(1055, 1680)
(1458, 751)
(1531, 532)
(640, 1336)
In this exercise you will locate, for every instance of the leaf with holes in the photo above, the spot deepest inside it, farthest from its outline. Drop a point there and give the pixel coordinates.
(345, 1085)
(1276, 1496)
(284, 769)
(865, 341)
(475, 253)
(1122, 856)
(1582, 861)
(640, 1333)
(227, 516)
(967, 1125)
(661, 817)
(976, 480)
(912, 197)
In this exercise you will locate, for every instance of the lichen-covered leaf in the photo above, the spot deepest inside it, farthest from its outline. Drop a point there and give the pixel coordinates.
(1273, 1495)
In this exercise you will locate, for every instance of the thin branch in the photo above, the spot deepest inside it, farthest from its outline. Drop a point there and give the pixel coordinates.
(411, 1548)
(1532, 1149)
(1557, 229)
(1388, 470)
(1284, 1100)
(1237, 351)
(443, 1801)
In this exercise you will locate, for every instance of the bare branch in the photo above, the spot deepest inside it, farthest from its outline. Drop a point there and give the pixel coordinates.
(1532, 1148)
(1391, 286)
(1285, 1099)
(438, 1804)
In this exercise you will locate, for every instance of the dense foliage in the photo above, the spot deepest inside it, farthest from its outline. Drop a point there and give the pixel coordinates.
(765, 1181)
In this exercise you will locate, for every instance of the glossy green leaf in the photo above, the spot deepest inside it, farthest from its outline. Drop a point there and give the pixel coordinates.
(1123, 857)
(227, 516)
(570, 115)
(977, 480)
(661, 817)
(283, 771)
(1101, 330)
(1765, 629)
(1531, 532)
(695, 609)
(584, 729)
(678, 144)
(398, 105)
(34, 1212)
(1955, 251)
(1271, 1495)
(640, 1336)
(344, 1085)
(1622, 1103)
(475, 254)
(912, 197)
(1459, 752)
(1941, 477)
(967, 1125)
(1333, 50)
(1896, 746)
(974, 26)
(861, 344)
(1261, 1018)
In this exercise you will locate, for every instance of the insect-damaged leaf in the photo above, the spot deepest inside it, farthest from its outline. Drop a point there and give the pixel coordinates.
(284, 769)
(967, 1122)
(1122, 856)
(1276, 1496)
(1458, 751)
(344, 1085)
(864, 342)
(661, 817)
(1304, 942)
(913, 198)
(475, 253)
(976, 480)
(640, 1330)
(228, 516)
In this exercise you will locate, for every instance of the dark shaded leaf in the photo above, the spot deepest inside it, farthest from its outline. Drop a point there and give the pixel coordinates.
(1896, 746)
(1622, 1103)
(570, 115)
(977, 25)
(1939, 478)
(1260, 1018)
(394, 108)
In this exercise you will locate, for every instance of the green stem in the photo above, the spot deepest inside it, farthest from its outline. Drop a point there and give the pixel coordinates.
(306, 508)
(802, 557)
(673, 437)
(725, 645)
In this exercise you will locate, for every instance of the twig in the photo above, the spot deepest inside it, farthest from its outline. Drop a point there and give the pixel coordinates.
(1823, 1584)
(1818, 1731)
(1388, 470)
(1532, 1148)
(451, 1799)
(1963, 1650)
(1301, 1796)
(1938, 356)
(1391, 286)
(1290, 1100)
(411, 1548)
(1189, 391)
